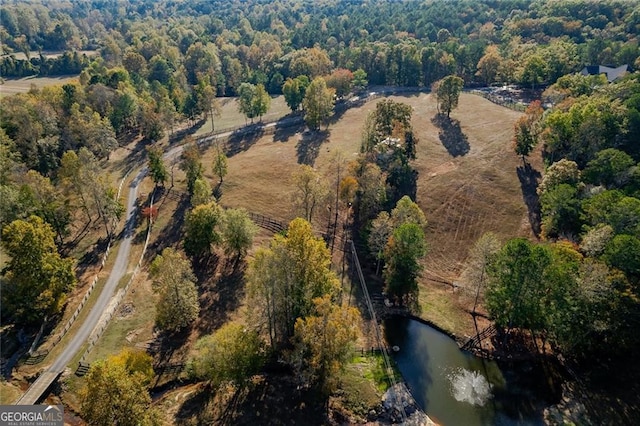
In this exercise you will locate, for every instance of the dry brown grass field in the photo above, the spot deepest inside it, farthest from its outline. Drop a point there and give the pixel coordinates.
(467, 183)
(230, 117)
(23, 85)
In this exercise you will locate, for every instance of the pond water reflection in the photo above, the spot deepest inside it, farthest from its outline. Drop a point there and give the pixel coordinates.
(456, 388)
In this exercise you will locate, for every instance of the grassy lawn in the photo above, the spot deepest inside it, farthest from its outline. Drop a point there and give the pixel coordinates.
(363, 383)
(467, 183)
(23, 85)
(462, 196)
(439, 306)
(132, 323)
(230, 117)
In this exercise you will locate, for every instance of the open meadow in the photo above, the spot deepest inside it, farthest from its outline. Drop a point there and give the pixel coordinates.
(22, 85)
(467, 185)
(469, 182)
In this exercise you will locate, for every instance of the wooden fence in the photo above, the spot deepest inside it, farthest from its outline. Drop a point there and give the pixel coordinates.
(36, 357)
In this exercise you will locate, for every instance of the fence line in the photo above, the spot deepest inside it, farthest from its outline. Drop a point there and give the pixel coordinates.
(376, 326)
(39, 356)
(262, 127)
(267, 223)
(500, 100)
(475, 341)
(120, 294)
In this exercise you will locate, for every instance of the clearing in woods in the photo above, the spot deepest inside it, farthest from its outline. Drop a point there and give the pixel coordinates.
(468, 181)
(23, 85)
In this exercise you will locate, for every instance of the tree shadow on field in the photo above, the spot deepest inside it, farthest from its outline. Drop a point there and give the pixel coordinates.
(220, 294)
(268, 399)
(244, 138)
(451, 135)
(529, 177)
(287, 127)
(308, 147)
(338, 111)
(166, 344)
(92, 257)
(172, 233)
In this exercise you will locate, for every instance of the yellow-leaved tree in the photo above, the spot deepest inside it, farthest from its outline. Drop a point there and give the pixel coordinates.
(324, 342)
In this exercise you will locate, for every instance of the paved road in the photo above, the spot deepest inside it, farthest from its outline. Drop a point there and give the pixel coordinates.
(37, 389)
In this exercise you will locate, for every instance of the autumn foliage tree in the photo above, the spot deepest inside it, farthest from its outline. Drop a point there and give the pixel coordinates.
(202, 229)
(284, 279)
(174, 282)
(220, 167)
(447, 93)
(340, 80)
(230, 355)
(117, 391)
(309, 191)
(238, 231)
(324, 342)
(527, 130)
(36, 279)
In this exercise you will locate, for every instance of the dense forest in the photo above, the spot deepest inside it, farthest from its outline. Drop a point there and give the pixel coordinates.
(148, 68)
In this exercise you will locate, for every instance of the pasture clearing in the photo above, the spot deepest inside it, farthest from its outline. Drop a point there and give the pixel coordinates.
(12, 86)
(469, 179)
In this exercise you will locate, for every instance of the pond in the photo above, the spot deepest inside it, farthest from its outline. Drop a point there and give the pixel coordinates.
(457, 388)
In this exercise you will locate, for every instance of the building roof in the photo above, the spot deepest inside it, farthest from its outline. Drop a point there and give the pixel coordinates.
(612, 74)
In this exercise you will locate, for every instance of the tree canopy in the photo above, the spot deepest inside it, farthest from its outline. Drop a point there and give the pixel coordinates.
(284, 279)
(174, 282)
(36, 280)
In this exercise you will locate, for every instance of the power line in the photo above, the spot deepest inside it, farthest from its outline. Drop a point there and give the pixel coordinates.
(376, 326)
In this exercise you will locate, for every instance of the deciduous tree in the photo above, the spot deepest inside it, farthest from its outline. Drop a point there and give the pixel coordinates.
(405, 249)
(37, 279)
(340, 80)
(475, 275)
(489, 65)
(563, 171)
(191, 165)
(293, 93)
(516, 284)
(261, 101)
(561, 211)
(447, 93)
(202, 229)
(238, 231)
(231, 355)
(114, 394)
(610, 167)
(285, 278)
(173, 280)
(220, 163)
(380, 231)
(49, 203)
(201, 192)
(310, 190)
(324, 342)
(246, 96)
(157, 168)
(527, 130)
(360, 79)
(317, 103)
